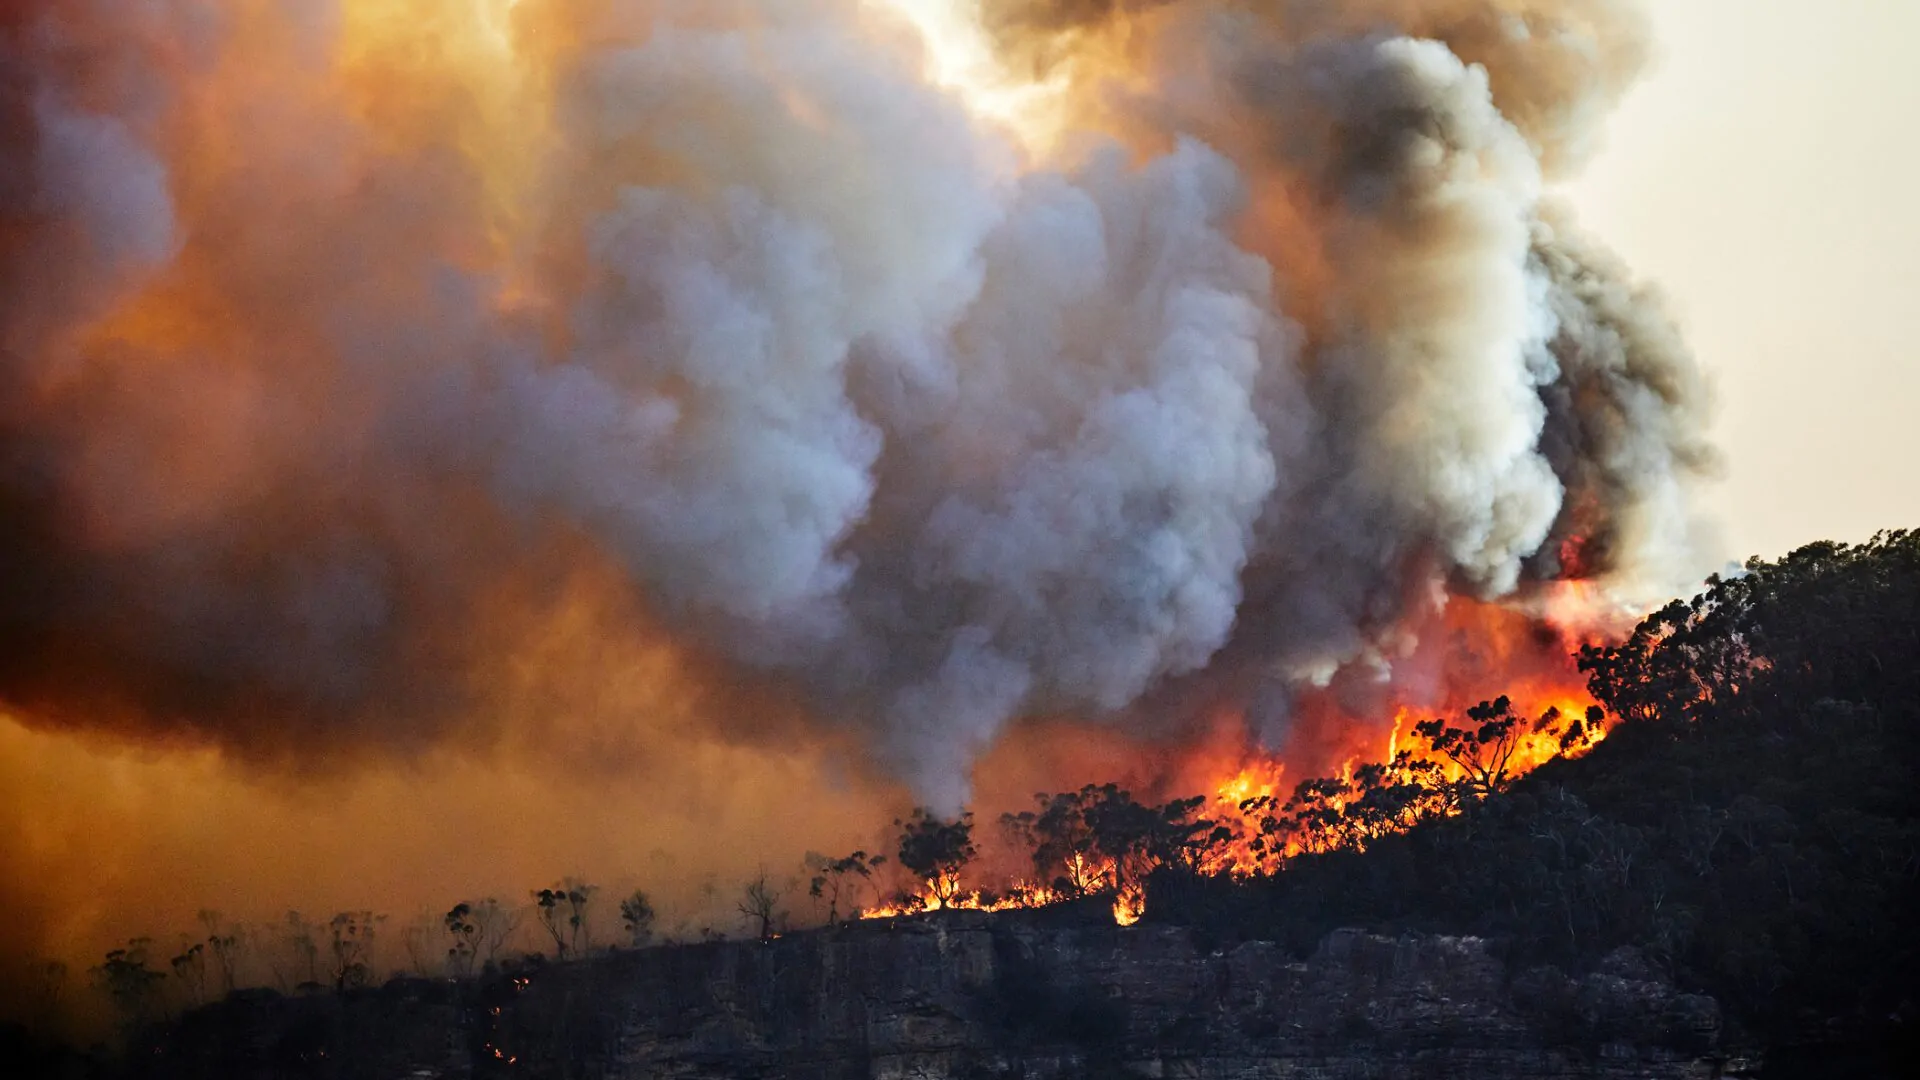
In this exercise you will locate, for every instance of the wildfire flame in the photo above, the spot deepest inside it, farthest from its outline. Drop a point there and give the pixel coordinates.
(1021, 895)
(1526, 650)
(831, 395)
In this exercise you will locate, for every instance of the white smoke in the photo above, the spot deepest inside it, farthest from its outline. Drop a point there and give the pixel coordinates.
(858, 400)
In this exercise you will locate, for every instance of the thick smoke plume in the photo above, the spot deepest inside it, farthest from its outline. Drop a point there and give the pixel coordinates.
(586, 376)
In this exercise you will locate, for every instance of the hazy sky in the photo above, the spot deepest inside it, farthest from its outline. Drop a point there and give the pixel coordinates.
(1768, 175)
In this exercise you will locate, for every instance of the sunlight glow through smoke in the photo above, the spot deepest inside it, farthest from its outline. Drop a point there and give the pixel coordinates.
(961, 57)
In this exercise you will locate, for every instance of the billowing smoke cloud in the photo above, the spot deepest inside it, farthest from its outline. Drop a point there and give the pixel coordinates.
(341, 343)
(1555, 66)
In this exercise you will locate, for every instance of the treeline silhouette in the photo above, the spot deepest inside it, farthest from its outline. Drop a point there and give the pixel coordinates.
(1749, 825)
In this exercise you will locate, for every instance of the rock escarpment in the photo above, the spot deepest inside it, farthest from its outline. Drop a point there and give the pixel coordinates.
(965, 995)
(971, 995)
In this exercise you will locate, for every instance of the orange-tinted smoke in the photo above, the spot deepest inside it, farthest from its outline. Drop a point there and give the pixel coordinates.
(423, 420)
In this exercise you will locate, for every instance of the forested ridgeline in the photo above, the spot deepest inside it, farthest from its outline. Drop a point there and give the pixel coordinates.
(1748, 824)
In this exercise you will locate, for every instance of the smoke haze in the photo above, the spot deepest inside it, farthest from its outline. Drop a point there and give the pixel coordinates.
(683, 417)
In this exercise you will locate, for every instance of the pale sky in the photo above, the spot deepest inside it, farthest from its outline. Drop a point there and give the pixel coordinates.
(1767, 175)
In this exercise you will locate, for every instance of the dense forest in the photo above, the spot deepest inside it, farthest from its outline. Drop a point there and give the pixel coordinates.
(1747, 826)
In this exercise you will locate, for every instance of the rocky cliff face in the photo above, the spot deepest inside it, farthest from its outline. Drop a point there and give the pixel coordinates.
(964, 995)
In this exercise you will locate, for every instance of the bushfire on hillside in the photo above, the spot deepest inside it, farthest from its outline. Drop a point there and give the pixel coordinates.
(455, 442)
(1448, 747)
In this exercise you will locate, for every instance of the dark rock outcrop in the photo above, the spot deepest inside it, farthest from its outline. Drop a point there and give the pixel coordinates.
(967, 995)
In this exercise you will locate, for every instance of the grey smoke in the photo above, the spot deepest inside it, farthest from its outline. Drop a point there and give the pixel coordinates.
(858, 405)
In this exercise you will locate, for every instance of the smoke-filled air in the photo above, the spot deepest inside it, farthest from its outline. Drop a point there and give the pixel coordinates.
(449, 444)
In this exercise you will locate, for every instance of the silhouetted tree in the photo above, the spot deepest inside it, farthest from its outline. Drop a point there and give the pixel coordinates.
(563, 911)
(225, 945)
(935, 850)
(1136, 837)
(760, 903)
(1059, 839)
(132, 986)
(418, 939)
(1101, 838)
(637, 915)
(495, 925)
(1484, 748)
(833, 878)
(300, 941)
(190, 970)
(463, 936)
(350, 936)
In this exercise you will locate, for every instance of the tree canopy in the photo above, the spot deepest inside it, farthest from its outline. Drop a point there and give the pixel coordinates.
(1749, 823)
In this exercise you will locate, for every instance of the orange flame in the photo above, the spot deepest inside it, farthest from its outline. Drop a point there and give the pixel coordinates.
(1523, 650)
(1022, 894)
